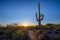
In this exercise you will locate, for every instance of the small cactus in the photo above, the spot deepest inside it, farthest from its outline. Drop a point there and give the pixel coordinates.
(39, 16)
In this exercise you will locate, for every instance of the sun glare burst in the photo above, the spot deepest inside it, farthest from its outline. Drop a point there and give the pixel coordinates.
(25, 24)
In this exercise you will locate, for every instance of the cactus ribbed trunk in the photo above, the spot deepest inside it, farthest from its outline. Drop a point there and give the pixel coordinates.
(39, 24)
(39, 14)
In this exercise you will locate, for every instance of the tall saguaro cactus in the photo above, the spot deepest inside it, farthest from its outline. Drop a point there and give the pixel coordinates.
(39, 16)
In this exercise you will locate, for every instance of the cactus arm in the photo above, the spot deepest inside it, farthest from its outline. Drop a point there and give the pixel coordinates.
(42, 16)
(37, 17)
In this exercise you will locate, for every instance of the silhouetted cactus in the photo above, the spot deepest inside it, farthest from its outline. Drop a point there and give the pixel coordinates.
(39, 16)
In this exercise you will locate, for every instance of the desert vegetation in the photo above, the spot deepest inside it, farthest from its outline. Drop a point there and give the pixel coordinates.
(46, 32)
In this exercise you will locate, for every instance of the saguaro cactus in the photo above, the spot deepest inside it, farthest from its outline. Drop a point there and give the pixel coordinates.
(39, 16)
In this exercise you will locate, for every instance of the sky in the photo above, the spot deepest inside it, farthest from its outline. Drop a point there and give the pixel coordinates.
(20, 11)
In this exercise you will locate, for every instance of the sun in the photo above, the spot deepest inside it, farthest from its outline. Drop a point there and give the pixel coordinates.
(25, 25)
